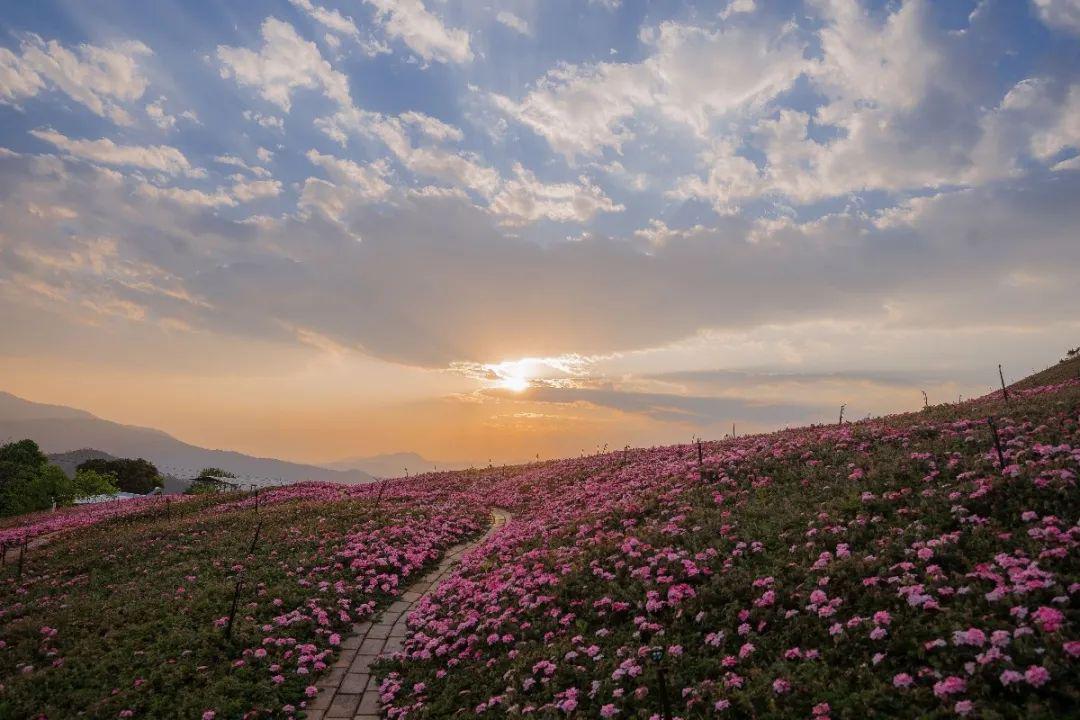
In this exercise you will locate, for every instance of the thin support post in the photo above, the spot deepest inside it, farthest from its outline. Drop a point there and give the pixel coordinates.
(842, 414)
(232, 610)
(255, 540)
(1004, 390)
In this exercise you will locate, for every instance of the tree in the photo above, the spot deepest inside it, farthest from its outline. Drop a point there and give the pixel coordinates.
(28, 482)
(133, 476)
(91, 482)
(216, 473)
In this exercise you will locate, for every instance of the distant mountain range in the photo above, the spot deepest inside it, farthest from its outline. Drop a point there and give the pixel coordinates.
(59, 429)
(395, 464)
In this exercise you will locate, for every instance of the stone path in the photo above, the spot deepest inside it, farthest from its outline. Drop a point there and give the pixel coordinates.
(349, 690)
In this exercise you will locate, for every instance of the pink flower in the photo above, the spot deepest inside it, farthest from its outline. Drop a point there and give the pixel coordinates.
(949, 686)
(781, 686)
(1048, 619)
(209, 715)
(1037, 675)
(902, 680)
(311, 691)
(608, 710)
(963, 707)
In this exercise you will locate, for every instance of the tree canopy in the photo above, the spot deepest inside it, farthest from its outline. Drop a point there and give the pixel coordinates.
(133, 476)
(29, 482)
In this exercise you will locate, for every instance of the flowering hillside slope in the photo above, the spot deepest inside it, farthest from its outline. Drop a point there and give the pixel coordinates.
(889, 568)
(130, 616)
(909, 566)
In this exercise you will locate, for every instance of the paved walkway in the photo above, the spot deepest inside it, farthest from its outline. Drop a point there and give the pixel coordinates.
(349, 690)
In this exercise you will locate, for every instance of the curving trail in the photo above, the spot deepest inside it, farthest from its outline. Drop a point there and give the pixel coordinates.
(348, 690)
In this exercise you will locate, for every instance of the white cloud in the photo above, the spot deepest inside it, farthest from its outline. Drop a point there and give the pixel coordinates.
(424, 33)
(693, 76)
(100, 78)
(186, 197)
(331, 19)
(1060, 14)
(526, 199)
(161, 158)
(460, 168)
(284, 63)
(367, 180)
(264, 155)
(513, 22)
(270, 122)
(738, 7)
(236, 162)
(432, 127)
(248, 190)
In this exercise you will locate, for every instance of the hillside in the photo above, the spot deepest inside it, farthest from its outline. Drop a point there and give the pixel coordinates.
(1067, 369)
(908, 566)
(58, 429)
(393, 464)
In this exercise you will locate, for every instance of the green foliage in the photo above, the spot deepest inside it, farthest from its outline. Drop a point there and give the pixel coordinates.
(28, 482)
(213, 472)
(91, 482)
(201, 487)
(133, 476)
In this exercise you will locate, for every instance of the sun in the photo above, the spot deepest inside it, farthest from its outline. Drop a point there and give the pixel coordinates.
(514, 383)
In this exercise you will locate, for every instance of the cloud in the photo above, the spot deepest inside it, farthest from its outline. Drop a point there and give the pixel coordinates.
(271, 122)
(233, 161)
(1060, 14)
(284, 63)
(692, 76)
(514, 22)
(248, 190)
(102, 79)
(161, 158)
(908, 105)
(689, 409)
(351, 184)
(424, 33)
(525, 199)
(331, 19)
(437, 280)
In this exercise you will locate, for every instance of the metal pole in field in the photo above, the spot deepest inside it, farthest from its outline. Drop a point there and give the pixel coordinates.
(657, 655)
(1004, 391)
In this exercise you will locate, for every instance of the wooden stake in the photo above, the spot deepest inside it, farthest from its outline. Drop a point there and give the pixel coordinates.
(1004, 391)
(925, 400)
(255, 540)
(842, 414)
(232, 610)
(22, 556)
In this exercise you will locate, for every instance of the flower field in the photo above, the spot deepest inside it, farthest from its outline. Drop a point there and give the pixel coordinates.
(128, 616)
(889, 568)
(908, 566)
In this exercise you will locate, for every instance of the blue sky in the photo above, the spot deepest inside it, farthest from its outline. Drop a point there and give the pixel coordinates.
(576, 202)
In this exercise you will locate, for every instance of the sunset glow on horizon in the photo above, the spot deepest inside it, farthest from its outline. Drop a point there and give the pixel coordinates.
(496, 231)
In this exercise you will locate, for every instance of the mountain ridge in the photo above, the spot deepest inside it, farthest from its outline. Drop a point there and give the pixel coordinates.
(62, 429)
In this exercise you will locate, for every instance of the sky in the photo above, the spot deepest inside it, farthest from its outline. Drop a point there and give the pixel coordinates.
(495, 231)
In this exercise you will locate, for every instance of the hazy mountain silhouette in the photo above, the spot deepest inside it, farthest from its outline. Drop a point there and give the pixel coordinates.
(59, 429)
(394, 464)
